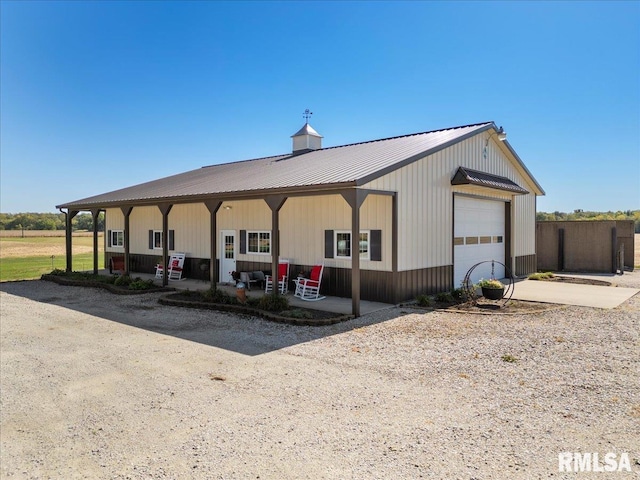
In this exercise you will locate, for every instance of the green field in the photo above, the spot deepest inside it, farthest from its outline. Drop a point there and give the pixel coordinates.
(29, 258)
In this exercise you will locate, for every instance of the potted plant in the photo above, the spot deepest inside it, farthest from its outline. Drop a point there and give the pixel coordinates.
(492, 289)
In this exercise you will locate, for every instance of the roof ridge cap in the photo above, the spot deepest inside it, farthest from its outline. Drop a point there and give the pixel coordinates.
(408, 135)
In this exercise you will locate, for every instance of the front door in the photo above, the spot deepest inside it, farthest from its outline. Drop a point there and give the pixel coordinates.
(227, 255)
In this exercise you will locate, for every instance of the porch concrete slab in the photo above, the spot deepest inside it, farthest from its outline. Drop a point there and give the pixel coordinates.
(572, 294)
(328, 304)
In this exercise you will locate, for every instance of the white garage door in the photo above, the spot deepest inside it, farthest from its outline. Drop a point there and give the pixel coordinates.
(479, 235)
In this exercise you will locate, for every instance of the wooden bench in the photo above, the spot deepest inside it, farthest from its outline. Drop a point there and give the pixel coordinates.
(116, 264)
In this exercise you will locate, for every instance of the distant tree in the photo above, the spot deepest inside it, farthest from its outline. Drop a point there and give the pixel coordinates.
(101, 222)
(44, 223)
(580, 214)
(20, 221)
(84, 221)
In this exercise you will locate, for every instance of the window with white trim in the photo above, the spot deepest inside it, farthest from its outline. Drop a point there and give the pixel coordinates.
(157, 239)
(259, 242)
(117, 238)
(342, 242)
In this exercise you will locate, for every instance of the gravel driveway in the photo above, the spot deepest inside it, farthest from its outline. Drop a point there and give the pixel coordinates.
(95, 385)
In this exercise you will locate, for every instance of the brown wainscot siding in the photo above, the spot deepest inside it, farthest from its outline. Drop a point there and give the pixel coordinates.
(147, 264)
(192, 269)
(525, 265)
(107, 257)
(375, 285)
(411, 283)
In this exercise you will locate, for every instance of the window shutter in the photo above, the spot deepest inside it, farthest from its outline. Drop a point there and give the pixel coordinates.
(172, 235)
(243, 241)
(150, 239)
(328, 244)
(375, 245)
(108, 238)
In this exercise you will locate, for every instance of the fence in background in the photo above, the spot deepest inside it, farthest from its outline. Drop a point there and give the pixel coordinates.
(605, 246)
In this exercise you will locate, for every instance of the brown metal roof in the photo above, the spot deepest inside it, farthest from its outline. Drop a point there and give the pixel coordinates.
(348, 165)
(467, 176)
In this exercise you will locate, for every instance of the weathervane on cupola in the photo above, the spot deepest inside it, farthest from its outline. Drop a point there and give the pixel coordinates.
(306, 139)
(307, 115)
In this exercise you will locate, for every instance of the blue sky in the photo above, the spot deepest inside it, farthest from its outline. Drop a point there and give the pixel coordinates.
(96, 96)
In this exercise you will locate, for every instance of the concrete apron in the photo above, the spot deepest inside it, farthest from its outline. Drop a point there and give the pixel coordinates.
(572, 293)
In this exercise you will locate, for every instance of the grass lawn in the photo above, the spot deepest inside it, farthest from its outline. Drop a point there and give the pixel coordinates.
(28, 258)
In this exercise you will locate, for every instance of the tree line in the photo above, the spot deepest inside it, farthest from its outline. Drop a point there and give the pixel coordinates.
(586, 215)
(48, 221)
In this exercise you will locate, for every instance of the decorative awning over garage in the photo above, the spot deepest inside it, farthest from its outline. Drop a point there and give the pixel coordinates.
(466, 176)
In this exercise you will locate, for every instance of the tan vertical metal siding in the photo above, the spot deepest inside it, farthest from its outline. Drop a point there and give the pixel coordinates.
(425, 201)
(191, 225)
(245, 215)
(525, 225)
(141, 220)
(190, 221)
(303, 221)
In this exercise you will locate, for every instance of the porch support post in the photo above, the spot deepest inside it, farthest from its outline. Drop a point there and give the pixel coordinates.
(94, 216)
(165, 208)
(126, 211)
(213, 206)
(275, 203)
(355, 199)
(69, 239)
(394, 245)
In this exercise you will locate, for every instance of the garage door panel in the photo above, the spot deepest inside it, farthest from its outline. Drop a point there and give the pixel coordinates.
(479, 232)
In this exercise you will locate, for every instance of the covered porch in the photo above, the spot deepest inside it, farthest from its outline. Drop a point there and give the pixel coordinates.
(329, 304)
(353, 197)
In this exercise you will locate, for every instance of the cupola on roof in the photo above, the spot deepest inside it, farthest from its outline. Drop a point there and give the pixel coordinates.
(306, 140)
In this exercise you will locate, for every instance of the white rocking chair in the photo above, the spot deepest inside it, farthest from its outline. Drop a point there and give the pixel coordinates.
(309, 288)
(283, 278)
(176, 265)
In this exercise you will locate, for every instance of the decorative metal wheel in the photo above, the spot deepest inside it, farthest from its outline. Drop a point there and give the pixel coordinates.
(470, 291)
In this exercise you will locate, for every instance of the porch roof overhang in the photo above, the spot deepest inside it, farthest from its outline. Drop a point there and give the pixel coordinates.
(312, 190)
(467, 176)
